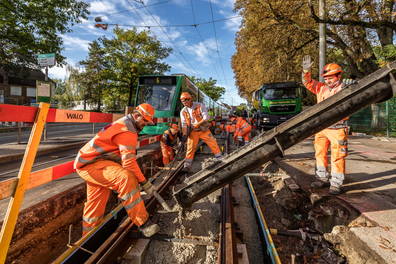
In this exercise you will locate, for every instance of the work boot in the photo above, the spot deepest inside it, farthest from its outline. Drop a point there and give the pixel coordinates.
(149, 228)
(218, 156)
(318, 183)
(334, 190)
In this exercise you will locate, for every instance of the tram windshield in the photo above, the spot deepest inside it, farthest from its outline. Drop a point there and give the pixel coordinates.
(158, 95)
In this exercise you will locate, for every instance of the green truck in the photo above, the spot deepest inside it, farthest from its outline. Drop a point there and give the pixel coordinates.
(276, 102)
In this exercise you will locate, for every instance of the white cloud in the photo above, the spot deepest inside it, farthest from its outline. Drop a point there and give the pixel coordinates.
(75, 43)
(203, 51)
(60, 72)
(179, 67)
(224, 3)
(231, 24)
(102, 7)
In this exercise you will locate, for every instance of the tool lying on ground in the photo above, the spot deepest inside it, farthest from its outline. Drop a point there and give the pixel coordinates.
(302, 233)
(163, 203)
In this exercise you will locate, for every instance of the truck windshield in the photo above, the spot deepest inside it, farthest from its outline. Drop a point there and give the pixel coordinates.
(279, 93)
(159, 96)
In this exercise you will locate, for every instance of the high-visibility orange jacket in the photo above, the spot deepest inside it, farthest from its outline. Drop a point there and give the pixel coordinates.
(193, 115)
(322, 92)
(169, 139)
(242, 127)
(116, 142)
(230, 128)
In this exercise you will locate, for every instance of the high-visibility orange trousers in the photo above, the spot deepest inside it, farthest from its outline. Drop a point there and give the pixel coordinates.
(338, 139)
(244, 134)
(168, 154)
(192, 143)
(102, 177)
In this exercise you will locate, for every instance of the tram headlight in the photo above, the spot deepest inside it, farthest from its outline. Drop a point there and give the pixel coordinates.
(266, 120)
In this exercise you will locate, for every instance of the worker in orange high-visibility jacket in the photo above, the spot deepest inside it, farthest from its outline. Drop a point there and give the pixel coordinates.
(195, 126)
(335, 136)
(108, 163)
(168, 143)
(242, 132)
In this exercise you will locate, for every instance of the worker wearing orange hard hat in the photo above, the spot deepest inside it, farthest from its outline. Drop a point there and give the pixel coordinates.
(242, 131)
(335, 136)
(168, 142)
(195, 126)
(108, 163)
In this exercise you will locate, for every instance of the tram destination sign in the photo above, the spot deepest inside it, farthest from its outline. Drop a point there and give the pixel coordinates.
(45, 60)
(149, 80)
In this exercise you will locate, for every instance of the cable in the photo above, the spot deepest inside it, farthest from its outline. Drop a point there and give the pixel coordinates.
(217, 45)
(136, 8)
(199, 34)
(170, 26)
(171, 41)
(141, 18)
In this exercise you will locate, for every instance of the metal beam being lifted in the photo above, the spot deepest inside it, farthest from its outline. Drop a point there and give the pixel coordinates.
(376, 87)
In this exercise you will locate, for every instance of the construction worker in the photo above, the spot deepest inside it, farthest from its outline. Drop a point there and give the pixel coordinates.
(335, 135)
(168, 142)
(230, 128)
(108, 163)
(242, 132)
(195, 126)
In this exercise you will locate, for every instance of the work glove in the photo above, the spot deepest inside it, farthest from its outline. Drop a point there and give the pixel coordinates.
(307, 63)
(147, 187)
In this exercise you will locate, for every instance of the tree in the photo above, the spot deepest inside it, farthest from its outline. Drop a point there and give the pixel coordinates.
(114, 65)
(274, 36)
(67, 91)
(30, 27)
(209, 87)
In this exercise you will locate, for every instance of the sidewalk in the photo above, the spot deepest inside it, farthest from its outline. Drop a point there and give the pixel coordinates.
(370, 187)
(14, 151)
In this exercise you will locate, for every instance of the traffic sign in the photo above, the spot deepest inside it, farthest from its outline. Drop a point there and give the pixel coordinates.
(46, 59)
(43, 91)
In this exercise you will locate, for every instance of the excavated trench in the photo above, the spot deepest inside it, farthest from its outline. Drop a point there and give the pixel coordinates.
(303, 221)
(42, 231)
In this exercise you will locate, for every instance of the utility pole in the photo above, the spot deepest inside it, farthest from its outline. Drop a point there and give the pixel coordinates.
(322, 37)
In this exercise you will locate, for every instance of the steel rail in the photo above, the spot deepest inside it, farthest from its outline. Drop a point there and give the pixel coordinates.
(269, 246)
(105, 240)
(227, 246)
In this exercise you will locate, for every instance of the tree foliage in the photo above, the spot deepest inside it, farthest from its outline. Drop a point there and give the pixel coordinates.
(114, 65)
(274, 36)
(31, 27)
(209, 87)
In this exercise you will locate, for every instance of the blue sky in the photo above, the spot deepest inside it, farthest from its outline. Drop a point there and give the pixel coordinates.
(194, 49)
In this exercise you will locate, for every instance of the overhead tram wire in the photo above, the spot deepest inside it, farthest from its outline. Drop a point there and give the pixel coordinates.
(170, 41)
(199, 34)
(217, 45)
(170, 26)
(166, 34)
(137, 8)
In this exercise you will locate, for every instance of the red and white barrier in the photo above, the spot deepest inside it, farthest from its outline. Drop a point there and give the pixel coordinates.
(19, 113)
(47, 175)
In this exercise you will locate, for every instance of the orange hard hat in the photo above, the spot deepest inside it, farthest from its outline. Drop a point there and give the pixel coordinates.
(185, 95)
(174, 126)
(331, 69)
(147, 111)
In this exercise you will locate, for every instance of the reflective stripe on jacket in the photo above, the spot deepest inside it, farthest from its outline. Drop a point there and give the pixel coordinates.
(116, 142)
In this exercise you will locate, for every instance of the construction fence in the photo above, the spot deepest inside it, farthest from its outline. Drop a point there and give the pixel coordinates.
(376, 119)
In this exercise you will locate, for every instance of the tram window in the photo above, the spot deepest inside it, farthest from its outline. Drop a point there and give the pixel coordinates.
(160, 96)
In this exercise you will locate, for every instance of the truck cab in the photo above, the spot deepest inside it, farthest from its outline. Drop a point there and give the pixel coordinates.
(276, 103)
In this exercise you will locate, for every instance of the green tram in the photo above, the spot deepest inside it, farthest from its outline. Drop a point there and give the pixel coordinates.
(163, 92)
